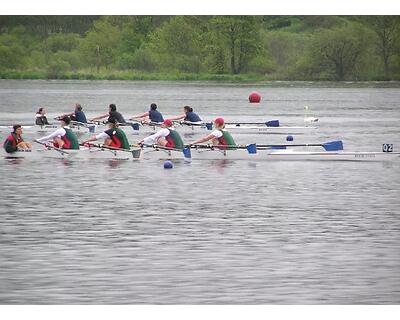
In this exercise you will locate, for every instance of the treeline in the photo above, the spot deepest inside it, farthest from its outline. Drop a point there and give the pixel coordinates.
(204, 47)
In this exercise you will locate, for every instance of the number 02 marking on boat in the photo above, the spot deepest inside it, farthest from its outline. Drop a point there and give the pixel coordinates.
(387, 147)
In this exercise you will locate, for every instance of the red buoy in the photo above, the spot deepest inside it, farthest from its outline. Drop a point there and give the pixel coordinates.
(254, 97)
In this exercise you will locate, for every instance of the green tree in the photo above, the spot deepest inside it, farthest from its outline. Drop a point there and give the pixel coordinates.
(12, 49)
(387, 29)
(236, 35)
(177, 44)
(100, 46)
(338, 50)
(62, 42)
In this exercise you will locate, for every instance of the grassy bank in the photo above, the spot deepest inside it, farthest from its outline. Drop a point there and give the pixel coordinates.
(129, 75)
(272, 79)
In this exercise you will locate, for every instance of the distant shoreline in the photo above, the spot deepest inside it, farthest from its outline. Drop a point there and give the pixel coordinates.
(199, 78)
(138, 76)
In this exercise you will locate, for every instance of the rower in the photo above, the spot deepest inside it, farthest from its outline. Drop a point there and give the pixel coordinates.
(153, 115)
(113, 137)
(113, 113)
(40, 117)
(63, 137)
(15, 142)
(78, 115)
(188, 115)
(219, 137)
(166, 137)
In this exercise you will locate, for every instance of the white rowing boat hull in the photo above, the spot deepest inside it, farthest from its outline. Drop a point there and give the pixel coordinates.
(187, 129)
(46, 129)
(268, 155)
(200, 154)
(81, 154)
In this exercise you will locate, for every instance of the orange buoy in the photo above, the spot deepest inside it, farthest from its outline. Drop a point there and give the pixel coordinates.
(254, 97)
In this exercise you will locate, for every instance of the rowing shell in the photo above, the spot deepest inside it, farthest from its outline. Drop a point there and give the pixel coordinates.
(50, 128)
(150, 153)
(81, 154)
(267, 155)
(234, 129)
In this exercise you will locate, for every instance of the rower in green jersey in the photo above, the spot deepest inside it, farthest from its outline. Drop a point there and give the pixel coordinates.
(219, 137)
(113, 137)
(63, 137)
(166, 137)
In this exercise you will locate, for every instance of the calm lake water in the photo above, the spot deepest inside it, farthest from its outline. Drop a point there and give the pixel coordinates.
(212, 232)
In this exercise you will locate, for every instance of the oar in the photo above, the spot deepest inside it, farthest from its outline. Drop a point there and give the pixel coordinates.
(269, 123)
(134, 125)
(252, 148)
(102, 146)
(51, 147)
(186, 151)
(328, 146)
(90, 126)
(135, 152)
(189, 123)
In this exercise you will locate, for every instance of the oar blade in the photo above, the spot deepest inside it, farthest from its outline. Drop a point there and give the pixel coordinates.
(251, 148)
(333, 145)
(272, 123)
(187, 153)
(135, 126)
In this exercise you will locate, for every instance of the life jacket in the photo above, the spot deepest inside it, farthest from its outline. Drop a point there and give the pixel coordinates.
(118, 137)
(10, 145)
(155, 116)
(226, 140)
(174, 140)
(192, 117)
(70, 140)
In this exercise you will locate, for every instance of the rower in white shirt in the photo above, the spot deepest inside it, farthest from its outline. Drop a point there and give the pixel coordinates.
(63, 137)
(166, 137)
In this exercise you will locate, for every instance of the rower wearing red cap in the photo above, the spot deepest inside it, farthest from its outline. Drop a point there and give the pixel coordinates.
(219, 136)
(166, 137)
